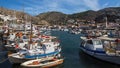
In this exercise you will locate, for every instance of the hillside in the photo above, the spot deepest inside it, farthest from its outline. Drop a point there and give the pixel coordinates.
(112, 13)
(87, 15)
(53, 17)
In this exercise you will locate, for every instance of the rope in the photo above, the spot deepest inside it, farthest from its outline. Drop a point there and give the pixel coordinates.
(3, 52)
(3, 60)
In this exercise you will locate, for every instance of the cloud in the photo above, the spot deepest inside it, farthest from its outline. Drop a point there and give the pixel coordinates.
(117, 5)
(66, 6)
(106, 4)
(35, 7)
(92, 4)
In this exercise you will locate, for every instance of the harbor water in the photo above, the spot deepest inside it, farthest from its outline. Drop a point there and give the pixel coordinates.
(74, 57)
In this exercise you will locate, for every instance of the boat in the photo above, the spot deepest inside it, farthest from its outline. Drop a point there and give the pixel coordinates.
(46, 48)
(104, 48)
(39, 47)
(14, 43)
(20, 57)
(43, 63)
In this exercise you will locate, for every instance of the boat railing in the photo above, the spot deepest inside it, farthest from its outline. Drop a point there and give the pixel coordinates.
(112, 48)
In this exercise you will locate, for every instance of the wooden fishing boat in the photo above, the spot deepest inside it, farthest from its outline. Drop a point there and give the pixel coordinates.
(43, 63)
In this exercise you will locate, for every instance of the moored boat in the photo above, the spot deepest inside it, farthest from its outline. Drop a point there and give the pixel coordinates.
(43, 63)
(104, 48)
(23, 56)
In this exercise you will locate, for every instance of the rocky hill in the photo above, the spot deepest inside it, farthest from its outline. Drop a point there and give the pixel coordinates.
(53, 17)
(87, 15)
(112, 13)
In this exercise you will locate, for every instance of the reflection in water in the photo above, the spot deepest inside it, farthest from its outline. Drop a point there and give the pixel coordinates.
(3, 56)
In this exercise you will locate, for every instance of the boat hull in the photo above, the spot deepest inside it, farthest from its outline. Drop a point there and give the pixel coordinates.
(14, 60)
(44, 65)
(103, 56)
(54, 64)
(10, 48)
(17, 59)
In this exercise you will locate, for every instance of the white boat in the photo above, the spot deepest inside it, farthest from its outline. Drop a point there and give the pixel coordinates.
(23, 56)
(42, 63)
(46, 48)
(104, 48)
(15, 43)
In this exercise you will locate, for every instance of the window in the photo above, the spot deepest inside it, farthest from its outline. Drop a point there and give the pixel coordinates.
(97, 42)
(89, 42)
(82, 43)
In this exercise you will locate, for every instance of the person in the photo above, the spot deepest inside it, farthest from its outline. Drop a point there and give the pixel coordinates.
(44, 48)
(26, 46)
(20, 35)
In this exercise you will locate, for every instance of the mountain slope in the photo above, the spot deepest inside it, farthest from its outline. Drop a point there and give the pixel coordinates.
(52, 17)
(112, 13)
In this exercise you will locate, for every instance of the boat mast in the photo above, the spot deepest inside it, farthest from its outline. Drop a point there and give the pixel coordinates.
(31, 30)
(30, 36)
(24, 21)
(14, 21)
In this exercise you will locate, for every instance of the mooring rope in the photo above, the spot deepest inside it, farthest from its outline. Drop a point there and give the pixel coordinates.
(3, 60)
(3, 55)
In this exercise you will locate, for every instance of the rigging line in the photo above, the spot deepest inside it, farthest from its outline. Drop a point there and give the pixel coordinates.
(4, 52)
(3, 60)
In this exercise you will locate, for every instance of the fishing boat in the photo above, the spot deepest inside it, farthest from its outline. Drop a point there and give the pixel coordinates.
(44, 51)
(43, 63)
(18, 41)
(104, 48)
(15, 42)
(37, 47)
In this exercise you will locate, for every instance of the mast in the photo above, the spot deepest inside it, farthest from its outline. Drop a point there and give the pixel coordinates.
(30, 36)
(24, 19)
(31, 30)
(14, 20)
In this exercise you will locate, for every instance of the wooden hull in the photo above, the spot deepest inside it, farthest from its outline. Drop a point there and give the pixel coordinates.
(44, 65)
(54, 64)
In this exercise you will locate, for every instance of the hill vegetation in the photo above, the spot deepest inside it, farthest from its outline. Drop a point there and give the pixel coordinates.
(112, 13)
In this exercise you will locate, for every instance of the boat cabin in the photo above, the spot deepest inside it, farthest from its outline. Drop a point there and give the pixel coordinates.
(112, 46)
(92, 44)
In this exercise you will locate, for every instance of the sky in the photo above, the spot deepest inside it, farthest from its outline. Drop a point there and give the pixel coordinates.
(35, 7)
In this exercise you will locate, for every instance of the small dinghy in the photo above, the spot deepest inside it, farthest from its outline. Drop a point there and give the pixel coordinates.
(43, 63)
